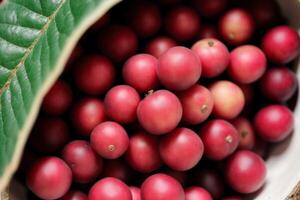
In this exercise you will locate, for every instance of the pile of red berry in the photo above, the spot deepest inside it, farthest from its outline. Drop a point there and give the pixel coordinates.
(139, 115)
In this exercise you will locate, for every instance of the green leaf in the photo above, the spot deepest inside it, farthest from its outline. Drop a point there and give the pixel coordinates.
(36, 38)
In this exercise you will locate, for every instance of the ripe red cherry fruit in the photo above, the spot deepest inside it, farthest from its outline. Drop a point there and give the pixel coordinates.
(83, 161)
(139, 72)
(181, 149)
(118, 42)
(197, 193)
(281, 44)
(121, 103)
(274, 123)
(162, 187)
(135, 193)
(145, 18)
(160, 112)
(58, 99)
(182, 23)
(278, 84)
(94, 75)
(117, 169)
(109, 140)
(208, 31)
(247, 64)
(87, 114)
(178, 68)
(159, 45)
(74, 195)
(210, 8)
(229, 99)
(49, 178)
(49, 135)
(214, 56)
(110, 189)
(246, 133)
(197, 104)
(245, 172)
(146, 145)
(236, 26)
(220, 139)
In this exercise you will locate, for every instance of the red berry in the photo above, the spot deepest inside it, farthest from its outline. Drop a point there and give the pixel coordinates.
(84, 163)
(110, 189)
(236, 26)
(178, 68)
(274, 123)
(140, 72)
(220, 139)
(109, 140)
(121, 103)
(135, 193)
(197, 104)
(160, 45)
(208, 31)
(181, 149)
(74, 195)
(49, 178)
(229, 99)
(210, 8)
(279, 84)
(95, 75)
(180, 176)
(145, 18)
(248, 92)
(246, 133)
(58, 99)
(197, 193)
(281, 44)
(143, 153)
(162, 187)
(245, 172)
(87, 114)
(160, 112)
(214, 56)
(118, 42)
(117, 169)
(182, 23)
(49, 135)
(247, 64)
(103, 21)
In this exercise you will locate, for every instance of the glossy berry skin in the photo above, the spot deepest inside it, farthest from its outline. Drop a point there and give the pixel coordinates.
(278, 84)
(135, 193)
(145, 19)
(83, 161)
(110, 189)
(75, 195)
(161, 187)
(220, 139)
(49, 178)
(197, 193)
(182, 23)
(178, 68)
(118, 42)
(87, 114)
(117, 169)
(49, 135)
(197, 104)
(181, 149)
(274, 123)
(210, 8)
(236, 26)
(229, 99)
(246, 133)
(120, 103)
(208, 31)
(214, 56)
(58, 99)
(160, 112)
(247, 64)
(159, 45)
(94, 75)
(281, 44)
(109, 140)
(139, 72)
(245, 172)
(143, 153)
